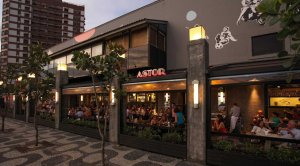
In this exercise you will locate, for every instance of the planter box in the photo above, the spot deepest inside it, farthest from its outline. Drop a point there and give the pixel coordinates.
(47, 123)
(21, 117)
(174, 150)
(216, 157)
(80, 130)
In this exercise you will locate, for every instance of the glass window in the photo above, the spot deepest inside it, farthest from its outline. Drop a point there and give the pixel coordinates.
(159, 116)
(88, 50)
(97, 50)
(266, 44)
(161, 41)
(153, 36)
(69, 59)
(260, 117)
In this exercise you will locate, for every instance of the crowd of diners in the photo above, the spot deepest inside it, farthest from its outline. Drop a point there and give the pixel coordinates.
(85, 112)
(285, 125)
(47, 108)
(172, 116)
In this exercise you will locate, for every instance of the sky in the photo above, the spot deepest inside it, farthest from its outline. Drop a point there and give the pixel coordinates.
(100, 11)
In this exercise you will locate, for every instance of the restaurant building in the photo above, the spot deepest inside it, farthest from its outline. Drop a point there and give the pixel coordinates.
(235, 63)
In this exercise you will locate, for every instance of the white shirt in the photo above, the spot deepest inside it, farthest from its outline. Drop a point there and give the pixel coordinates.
(260, 131)
(296, 133)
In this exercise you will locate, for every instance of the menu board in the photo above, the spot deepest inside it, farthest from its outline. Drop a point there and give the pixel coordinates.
(284, 101)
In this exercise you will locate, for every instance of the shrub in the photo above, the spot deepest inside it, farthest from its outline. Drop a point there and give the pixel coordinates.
(173, 137)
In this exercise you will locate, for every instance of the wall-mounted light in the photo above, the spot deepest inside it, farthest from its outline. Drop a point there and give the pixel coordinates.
(31, 75)
(56, 97)
(196, 93)
(254, 80)
(14, 98)
(113, 100)
(197, 32)
(167, 96)
(81, 98)
(221, 96)
(62, 67)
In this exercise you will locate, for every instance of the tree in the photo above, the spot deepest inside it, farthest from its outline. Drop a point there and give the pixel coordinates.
(103, 70)
(8, 88)
(287, 14)
(39, 82)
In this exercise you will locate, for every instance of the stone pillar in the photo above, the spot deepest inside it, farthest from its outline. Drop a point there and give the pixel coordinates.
(196, 127)
(114, 117)
(61, 79)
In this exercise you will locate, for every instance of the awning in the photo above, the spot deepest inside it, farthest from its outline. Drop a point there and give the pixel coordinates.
(165, 85)
(81, 90)
(255, 78)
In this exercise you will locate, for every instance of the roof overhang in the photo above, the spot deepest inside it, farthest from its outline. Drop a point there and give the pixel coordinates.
(67, 46)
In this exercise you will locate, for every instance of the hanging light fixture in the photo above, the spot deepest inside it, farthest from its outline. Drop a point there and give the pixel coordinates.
(221, 96)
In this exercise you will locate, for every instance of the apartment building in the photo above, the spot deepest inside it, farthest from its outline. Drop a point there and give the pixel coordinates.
(25, 22)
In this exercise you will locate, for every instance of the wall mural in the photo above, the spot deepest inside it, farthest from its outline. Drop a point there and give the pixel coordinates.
(249, 12)
(223, 38)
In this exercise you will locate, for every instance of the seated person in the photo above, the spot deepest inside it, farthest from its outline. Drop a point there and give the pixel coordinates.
(219, 125)
(88, 113)
(154, 120)
(260, 129)
(163, 119)
(79, 113)
(275, 119)
(291, 131)
(71, 113)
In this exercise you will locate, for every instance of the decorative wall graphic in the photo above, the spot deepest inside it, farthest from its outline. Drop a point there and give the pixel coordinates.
(249, 12)
(191, 15)
(223, 38)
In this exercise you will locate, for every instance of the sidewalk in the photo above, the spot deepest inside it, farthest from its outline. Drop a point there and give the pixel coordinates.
(70, 149)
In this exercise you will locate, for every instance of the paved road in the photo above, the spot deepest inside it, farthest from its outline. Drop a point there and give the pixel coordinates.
(63, 148)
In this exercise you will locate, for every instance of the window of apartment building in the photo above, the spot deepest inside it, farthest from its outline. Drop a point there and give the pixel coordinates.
(266, 44)
(25, 41)
(26, 21)
(26, 28)
(27, 15)
(27, 8)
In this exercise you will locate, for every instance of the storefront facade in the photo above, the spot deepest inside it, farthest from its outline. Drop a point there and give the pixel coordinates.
(236, 63)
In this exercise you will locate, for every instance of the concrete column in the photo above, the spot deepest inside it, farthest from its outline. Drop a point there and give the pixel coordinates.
(61, 79)
(114, 117)
(196, 127)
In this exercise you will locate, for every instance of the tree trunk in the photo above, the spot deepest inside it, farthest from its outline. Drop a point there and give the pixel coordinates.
(3, 119)
(101, 134)
(35, 125)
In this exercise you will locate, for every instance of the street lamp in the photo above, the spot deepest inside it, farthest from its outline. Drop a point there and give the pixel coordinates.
(197, 32)
(62, 67)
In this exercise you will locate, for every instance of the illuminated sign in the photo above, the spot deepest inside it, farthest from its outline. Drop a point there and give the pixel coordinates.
(151, 73)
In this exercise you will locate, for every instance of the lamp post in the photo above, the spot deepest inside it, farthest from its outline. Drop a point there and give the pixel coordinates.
(196, 81)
